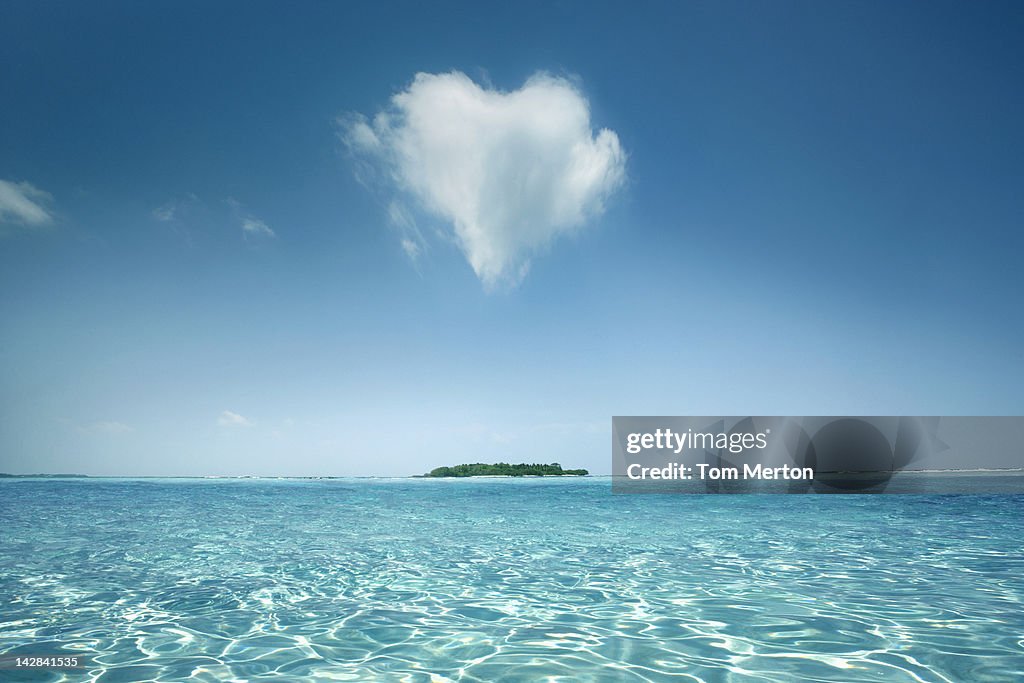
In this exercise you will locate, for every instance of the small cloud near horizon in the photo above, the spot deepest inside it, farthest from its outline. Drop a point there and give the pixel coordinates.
(232, 419)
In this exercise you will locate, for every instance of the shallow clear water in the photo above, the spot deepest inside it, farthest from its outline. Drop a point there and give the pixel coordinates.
(505, 580)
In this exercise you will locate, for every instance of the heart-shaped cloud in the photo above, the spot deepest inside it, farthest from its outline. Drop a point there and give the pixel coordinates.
(509, 171)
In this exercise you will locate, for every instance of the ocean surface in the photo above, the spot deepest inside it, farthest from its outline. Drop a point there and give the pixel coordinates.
(505, 580)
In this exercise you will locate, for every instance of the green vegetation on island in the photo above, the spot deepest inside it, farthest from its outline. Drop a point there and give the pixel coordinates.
(503, 469)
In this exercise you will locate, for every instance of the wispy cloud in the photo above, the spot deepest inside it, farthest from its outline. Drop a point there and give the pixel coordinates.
(509, 172)
(254, 226)
(232, 419)
(184, 216)
(182, 208)
(412, 241)
(191, 216)
(165, 213)
(411, 249)
(24, 203)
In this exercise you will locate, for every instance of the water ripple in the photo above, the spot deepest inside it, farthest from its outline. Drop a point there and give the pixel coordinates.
(500, 580)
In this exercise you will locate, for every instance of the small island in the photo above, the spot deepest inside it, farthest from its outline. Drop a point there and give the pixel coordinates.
(503, 469)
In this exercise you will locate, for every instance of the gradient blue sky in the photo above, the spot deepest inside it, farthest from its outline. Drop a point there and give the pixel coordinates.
(822, 215)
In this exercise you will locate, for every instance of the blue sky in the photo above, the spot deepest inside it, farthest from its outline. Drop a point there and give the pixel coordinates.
(808, 209)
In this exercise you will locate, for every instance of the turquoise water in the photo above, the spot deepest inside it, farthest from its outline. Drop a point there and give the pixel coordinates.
(505, 580)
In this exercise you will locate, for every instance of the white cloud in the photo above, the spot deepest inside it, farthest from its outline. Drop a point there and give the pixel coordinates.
(23, 203)
(411, 249)
(509, 171)
(230, 419)
(254, 226)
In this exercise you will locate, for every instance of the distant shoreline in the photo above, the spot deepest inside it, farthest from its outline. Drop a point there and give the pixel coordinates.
(5, 475)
